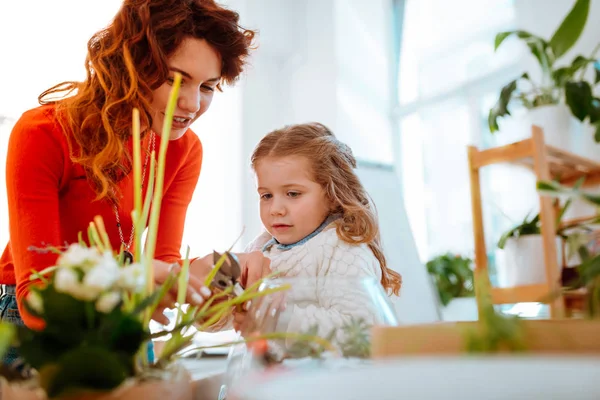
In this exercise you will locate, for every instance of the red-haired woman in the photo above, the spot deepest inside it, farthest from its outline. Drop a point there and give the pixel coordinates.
(70, 159)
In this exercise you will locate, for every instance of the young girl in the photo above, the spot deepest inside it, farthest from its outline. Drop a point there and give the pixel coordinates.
(319, 223)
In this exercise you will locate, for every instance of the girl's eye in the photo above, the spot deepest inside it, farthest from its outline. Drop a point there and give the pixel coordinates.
(208, 88)
(293, 194)
(265, 196)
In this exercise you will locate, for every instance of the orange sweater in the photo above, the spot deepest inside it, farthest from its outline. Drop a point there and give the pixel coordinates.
(50, 200)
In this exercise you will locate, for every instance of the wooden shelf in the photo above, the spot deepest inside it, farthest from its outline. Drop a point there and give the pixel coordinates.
(563, 166)
(546, 163)
(520, 294)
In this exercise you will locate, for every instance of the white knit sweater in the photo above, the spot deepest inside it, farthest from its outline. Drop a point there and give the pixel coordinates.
(328, 298)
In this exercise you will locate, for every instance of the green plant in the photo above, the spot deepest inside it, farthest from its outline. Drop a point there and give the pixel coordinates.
(453, 276)
(558, 84)
(494, 331)
(533, 226)
(96, 305)
(589, 270)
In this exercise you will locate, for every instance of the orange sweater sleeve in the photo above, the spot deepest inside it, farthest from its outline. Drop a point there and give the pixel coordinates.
(34, 170)
(175, 202)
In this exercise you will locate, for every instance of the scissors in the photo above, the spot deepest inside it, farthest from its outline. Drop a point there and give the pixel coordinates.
(228, 275)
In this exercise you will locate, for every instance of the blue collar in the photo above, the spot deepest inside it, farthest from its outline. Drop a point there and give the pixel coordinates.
(280, 246)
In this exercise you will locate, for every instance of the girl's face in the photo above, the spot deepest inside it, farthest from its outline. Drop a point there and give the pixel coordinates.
(292, 204)
(200, 67)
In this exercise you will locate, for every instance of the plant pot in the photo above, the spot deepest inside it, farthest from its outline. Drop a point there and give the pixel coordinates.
(172, 384)
(460, 309)
(521, 262)
(583, 138)
(13, 391)
(556, 121)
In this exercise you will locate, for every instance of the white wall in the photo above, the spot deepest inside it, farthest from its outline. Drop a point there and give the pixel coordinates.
(329, 61)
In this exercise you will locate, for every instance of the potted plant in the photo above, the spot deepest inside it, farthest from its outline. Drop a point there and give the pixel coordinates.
(453, 278)
(520, 254)
(96, 307)
(562, 95)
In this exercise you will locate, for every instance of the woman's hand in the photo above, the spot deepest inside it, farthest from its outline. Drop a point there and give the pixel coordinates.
(196, 294)
(254, 266)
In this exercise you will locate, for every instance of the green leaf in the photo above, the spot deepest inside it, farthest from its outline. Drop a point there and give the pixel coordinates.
(83, 368)
(594, 110)
(39, 348)
(540, 48)
(501, 107)
(562, 75)
(570, 29)
(597, 134)
(500, 38)
(7, 333)
(579, 98)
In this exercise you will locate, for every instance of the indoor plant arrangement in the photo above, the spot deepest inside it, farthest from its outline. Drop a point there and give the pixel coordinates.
(520, 259)
(453, 278)
(562, 90)
(96, 307)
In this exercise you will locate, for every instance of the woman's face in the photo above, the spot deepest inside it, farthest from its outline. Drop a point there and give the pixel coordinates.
(200, 67)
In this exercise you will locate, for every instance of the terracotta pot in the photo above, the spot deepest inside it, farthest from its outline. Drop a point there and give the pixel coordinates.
(12, 391)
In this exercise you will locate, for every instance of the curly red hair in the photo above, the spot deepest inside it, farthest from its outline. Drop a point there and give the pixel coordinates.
(332, 166)
(126, 61)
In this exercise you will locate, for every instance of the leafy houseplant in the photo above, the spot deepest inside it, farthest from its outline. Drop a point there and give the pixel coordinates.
(453, 276)
(559, 85)
(533, 226)
(589, 270)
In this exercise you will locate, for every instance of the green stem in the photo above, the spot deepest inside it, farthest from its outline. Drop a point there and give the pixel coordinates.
(183, 283)
(159, 182)
(137, 183)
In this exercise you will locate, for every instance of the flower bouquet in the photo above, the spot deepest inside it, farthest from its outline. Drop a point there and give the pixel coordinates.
(96, 305)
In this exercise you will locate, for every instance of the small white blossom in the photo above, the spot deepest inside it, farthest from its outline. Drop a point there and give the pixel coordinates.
(65, 280)
(132, 277)
(108, 301)
(79, 256)
(103, 275)
(35, 302)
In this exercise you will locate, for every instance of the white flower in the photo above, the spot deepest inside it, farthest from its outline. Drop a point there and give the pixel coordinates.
(108, 301)
(103, 275)
(79, 256)
(35, 302)
(65, 280)
(132, 277)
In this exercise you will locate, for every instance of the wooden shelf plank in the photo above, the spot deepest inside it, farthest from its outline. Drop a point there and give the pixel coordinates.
(509, 153)
(573, 159)
(521, 294)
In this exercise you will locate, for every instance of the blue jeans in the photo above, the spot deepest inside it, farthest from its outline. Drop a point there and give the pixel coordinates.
(9, 312)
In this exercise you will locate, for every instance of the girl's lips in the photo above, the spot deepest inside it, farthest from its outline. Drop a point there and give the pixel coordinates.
(281, 226)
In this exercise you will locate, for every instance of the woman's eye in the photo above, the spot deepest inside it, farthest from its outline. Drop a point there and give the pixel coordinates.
(171, 80)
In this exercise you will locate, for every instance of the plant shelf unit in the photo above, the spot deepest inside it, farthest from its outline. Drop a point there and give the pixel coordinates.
(547, 163)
